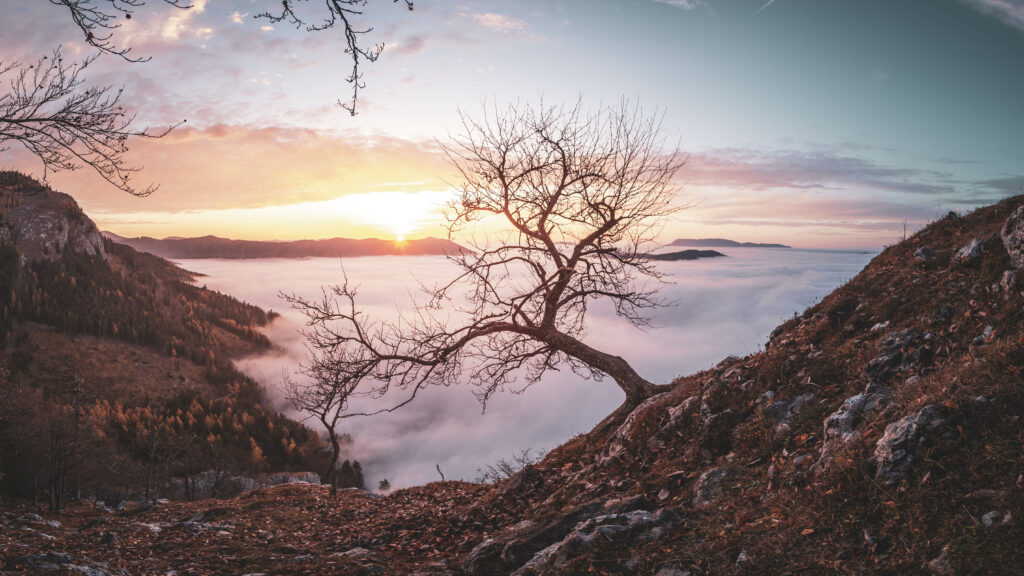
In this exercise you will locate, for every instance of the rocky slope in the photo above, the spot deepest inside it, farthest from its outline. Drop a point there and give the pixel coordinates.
(115, 370)
(880, 432)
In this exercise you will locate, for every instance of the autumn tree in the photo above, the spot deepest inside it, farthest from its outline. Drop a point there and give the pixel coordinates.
(582, 194)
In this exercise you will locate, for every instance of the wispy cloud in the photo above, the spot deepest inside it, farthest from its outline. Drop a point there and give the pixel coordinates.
(1009, 11)
(684, 4)
(500, 22)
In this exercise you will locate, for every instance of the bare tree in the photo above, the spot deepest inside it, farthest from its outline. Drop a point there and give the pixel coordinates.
(582, 194)
(326, 399)
(47, 110)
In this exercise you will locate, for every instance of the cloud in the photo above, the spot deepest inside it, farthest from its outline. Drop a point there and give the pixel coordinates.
(500, 22)
(1010, 12)
(238, 17)
(724, 306)
(684, 4)
(409, 47)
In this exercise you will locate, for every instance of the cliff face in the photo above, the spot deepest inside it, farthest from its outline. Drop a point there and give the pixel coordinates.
(880, 432)
(44, 223)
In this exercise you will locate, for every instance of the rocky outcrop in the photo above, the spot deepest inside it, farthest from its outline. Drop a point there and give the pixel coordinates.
(518, 544)
(1013, 237)
(638, 525)
(897, 450)
(43, 223)
(840, 427)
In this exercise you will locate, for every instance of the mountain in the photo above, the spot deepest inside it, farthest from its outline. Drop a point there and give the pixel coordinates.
(116, 371)
(214, 247)
(879, 432)
(685, 255)
(721, 243)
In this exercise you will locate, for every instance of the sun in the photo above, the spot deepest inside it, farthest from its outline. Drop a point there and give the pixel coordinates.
(400, 239)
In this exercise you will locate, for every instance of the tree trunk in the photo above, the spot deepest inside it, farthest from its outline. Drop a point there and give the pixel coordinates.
(332, 470)
(637, 389)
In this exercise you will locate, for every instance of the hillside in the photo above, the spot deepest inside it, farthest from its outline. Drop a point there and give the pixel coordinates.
(214, 247)
(879, 432)
(721, 243)
(115, 370)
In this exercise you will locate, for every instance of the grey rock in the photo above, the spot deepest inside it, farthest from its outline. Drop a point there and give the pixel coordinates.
(996, 518)
(941, 564)
(783, 411)
(840, 427)
(924, 254)
(1012, 280)
(985, 336)
(519, 543)
(970, 252)
(667, 571)
(896, 451)
(1013, 237)
(639, 525)
(709, 487)
(743, 557)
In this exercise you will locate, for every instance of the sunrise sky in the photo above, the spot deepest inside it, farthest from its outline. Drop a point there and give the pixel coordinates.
(814, 123)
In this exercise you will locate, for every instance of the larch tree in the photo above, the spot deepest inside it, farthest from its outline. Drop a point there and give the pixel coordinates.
(581, 196)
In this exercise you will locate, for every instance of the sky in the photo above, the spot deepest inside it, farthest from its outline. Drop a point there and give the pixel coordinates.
(807, 122)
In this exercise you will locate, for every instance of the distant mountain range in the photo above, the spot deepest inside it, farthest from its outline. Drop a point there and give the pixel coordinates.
(215, 247)
(722, 243)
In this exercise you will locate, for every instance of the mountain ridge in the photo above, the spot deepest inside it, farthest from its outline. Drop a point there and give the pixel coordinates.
(722, 243)
(210, 246)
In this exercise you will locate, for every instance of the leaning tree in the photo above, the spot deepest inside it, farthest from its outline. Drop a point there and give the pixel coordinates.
(579, 196)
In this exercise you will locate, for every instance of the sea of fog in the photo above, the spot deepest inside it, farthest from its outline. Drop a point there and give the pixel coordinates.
(722, 306)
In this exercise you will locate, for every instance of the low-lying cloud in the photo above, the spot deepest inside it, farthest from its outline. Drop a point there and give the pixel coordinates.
(723, 306)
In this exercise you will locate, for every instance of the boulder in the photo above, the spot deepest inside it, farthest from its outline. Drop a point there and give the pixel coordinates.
(840, 426)
(638, 525)
(517, 544)
(970, 252)
(1013, 237)
(897, 450)
(709, 487)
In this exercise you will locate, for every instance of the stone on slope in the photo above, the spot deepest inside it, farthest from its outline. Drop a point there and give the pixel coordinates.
(896, 452)
(1013, 237)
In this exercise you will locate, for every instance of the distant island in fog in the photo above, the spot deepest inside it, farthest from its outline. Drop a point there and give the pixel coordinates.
(685, 255)
(722, 243)
(215, 247)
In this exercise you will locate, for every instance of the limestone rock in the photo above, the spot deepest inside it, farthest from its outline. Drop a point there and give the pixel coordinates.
(897, 450)
(1013, 237)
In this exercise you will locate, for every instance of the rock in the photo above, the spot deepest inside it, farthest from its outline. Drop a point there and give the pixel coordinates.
(840, 426)
(985, 336)
(709, 487)
(996, 518)
(896, 451)
(638, 525)
(742, 558)
(517, 544)
(1012, 280)
(924, 254)
(782, 411)
(1013, 237)
(970, 252)
(668, 571)
(941, 563)
(899, 354)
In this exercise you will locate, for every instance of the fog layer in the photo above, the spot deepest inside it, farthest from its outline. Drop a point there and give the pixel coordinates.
(722, 307)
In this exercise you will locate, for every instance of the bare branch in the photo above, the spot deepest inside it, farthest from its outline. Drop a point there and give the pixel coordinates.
(343, 14)
(67, 126)
(99, 19)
